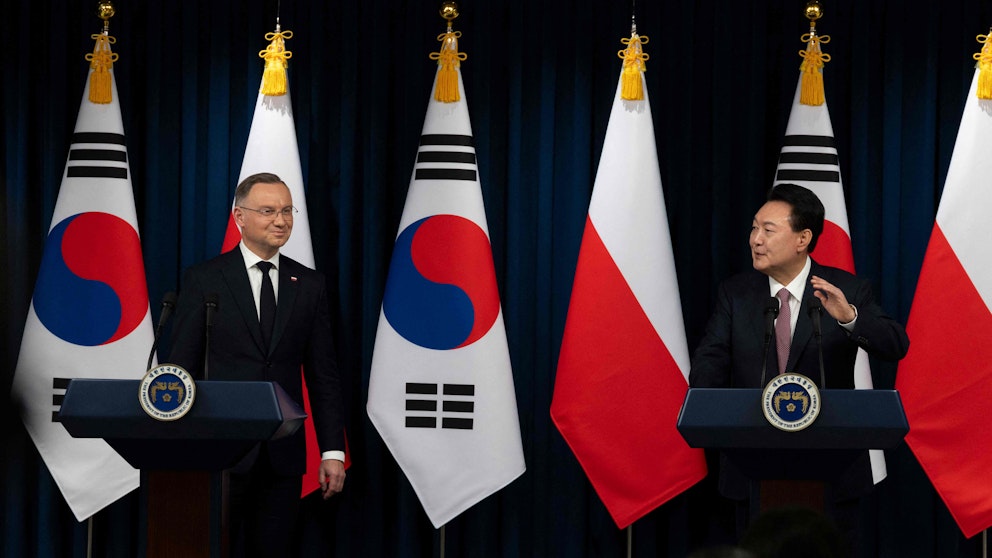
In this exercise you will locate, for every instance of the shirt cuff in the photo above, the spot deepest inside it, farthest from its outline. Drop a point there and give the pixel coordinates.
(849, 326)
(335, 455)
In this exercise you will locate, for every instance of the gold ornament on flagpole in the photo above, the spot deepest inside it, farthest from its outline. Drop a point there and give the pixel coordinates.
(274, 79)
(102, 59)
(811, 92)
(984, 58)
(634, 59)
(449, 59)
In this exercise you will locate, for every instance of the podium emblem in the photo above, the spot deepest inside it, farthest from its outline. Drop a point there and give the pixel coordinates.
(167, 392)
(791, 402)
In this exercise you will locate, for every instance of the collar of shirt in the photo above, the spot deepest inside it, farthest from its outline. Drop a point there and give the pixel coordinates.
(255, 274)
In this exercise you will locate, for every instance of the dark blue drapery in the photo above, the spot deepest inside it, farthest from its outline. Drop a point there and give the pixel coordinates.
(539, 81)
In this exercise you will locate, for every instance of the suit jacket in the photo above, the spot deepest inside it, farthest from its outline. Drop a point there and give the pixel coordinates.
(730, 354)
(301, 337)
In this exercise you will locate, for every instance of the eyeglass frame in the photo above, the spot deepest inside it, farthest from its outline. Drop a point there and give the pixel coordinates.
(287, 212)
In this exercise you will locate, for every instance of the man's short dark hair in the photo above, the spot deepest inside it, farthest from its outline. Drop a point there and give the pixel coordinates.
(243, 189)
(807, 209)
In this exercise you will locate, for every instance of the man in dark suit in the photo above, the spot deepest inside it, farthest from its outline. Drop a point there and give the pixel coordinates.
(267, 325)
(783, 234)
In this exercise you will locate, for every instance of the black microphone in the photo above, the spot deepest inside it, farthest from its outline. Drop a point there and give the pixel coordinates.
(771, 312)
(210, 302)
(815, 311)
(168, 304)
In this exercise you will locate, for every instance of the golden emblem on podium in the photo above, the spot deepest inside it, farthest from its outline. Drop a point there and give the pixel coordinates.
(790, 402)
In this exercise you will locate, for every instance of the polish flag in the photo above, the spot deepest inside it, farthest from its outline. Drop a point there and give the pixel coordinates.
(946, 377)
(624, 361)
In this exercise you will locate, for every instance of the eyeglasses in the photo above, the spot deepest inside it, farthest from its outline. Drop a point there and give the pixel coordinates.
(269, 213)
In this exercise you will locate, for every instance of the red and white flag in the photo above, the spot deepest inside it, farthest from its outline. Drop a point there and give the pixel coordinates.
(89, 317)
(441, 387)
(272, 147)
(946, 378)
(809, 159)
(624, 361)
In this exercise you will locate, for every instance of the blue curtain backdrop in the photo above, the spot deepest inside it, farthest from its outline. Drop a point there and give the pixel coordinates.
(540, 79)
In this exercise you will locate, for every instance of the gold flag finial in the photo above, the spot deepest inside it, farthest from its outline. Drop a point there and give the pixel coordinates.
(634, 58)
(276, 61)
(811, 92)
(984, 58)
(448, 58)
(102, 59)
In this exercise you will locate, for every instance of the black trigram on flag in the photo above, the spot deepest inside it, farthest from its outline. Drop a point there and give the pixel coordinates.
(446, 157)
(455, 409)
(808, 159)
(59, 385)
(97, 155)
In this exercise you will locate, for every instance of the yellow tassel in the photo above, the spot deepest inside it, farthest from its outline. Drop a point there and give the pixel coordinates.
(449, 59)
(276, 61)
(634, 58)
(811, 90)
(101, 61)
(984, 59)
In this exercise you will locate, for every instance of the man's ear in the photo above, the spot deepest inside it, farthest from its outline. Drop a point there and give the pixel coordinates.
(805, 237)
(239, 216)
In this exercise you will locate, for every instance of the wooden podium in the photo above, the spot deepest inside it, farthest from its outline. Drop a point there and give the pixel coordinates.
(181, 461)
(792, 468)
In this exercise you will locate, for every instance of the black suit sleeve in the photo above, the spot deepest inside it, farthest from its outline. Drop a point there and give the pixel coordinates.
(323, 381)
(874, 330)
(711, 363)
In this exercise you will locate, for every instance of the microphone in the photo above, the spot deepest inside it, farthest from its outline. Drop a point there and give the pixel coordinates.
(210, 302)
(168, 304)
(771, 312)
(815, 311)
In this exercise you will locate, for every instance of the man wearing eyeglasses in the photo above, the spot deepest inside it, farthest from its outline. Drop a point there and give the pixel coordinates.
(271, 318)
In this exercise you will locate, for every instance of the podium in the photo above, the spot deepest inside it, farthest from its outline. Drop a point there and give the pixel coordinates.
(181, 460)
(792, 467)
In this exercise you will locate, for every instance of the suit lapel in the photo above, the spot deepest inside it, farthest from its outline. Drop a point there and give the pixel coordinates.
(804, 330)
(236, 277)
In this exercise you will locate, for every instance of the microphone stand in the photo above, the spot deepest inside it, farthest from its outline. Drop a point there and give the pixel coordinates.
(771, 312)
(211, 306)
(815, 311)
(168, 303)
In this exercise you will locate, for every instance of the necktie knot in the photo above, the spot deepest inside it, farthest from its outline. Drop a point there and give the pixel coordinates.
(264, 266)
(783, 294)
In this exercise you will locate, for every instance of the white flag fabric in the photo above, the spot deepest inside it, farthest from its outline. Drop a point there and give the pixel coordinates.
(441, 387)
(272, 147)
(89, 316)
(624, 362)
(809, 159)
(947, 373)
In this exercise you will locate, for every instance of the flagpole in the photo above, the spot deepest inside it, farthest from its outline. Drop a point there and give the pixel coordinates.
(630, 540)
(89, 537)
(442, 539)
